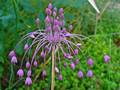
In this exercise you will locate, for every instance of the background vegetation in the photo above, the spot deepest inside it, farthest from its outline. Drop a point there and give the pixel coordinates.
(17, 18)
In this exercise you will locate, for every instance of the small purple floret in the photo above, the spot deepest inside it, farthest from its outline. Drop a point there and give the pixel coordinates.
(90, 62)
(65, 64)
(70, 27)
(26, 47)
(28, 81)
(50, 6)
(12, 53)
(80, 74)
(32, 35)
(77, 61)
(47, 20)
(72, 65)
(48, 11)
(28, 65)
(29, 73)
(89, 73)
(61, 11)
(37, 21)
(106, 58)
(76, 52)
(44, 74)
(35, 63)
(54, 14)
(60, 77)
(42, 54)
(14, 60)
(20, 73)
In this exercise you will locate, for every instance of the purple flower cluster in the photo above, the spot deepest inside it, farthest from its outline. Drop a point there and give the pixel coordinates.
(56, 35)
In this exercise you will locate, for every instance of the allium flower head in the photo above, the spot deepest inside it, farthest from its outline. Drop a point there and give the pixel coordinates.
(56, 37)
(20, 73)
(89, 73)
(80, 74)
(106, 58)
(28, 81)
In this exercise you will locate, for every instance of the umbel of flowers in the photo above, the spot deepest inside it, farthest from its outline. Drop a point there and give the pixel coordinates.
(54, 41)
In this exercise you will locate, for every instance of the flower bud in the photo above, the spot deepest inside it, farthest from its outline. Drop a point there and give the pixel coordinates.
(35, 63)
(14, 60)
(70, 27)
(28, 81)
(62, 16)
(61, 11)
(32, 35)
(26, 47)
(69, 56)
(55, 9)
(20, 73)
(42, 54)
(65, 64)
(28, 65)
(48, 11)
(62, 23)
(50, 6)
(29, 73)
(65, 55)
(76, 61)
(60, 77)
(49, 29)
(12, 53)
(76, 52)
(72, 65)
(106, 58)
(80, 74)
(54, 13)
(90, 62)
(47, 20)
(44, 73)
(56, 22)
(56, 28)
(37, 21)
(89, 73)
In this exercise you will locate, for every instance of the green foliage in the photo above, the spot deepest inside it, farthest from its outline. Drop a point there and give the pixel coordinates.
(17, 18)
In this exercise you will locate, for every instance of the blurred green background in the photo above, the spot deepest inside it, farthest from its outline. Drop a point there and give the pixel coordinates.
(17, 18)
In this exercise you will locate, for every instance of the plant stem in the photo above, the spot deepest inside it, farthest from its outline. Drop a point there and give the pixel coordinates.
(53, 72)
